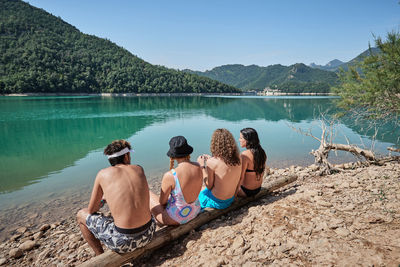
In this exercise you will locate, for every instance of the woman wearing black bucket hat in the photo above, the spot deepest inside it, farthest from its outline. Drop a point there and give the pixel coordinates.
(178, 201)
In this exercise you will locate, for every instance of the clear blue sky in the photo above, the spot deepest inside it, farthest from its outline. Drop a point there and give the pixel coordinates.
(203, 34)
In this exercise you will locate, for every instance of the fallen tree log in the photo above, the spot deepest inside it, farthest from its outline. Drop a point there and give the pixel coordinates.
(170, 233)
(394, 149)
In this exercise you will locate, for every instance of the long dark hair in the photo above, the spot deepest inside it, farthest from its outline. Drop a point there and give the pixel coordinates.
(253, 144)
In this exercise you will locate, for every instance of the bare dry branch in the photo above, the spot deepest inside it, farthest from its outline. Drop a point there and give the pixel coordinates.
(394, 149)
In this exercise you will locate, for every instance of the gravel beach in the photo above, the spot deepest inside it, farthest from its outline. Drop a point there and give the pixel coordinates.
(345, 219)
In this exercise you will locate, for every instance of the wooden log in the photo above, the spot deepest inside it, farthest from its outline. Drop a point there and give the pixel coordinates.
(393, 149)
(170, 233)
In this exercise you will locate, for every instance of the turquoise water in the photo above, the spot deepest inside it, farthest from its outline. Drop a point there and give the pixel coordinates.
(52, 146)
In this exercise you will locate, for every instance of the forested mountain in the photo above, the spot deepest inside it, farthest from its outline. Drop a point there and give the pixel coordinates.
(331, 65)
(336, 64)
(296, 78)
(41, 53)
(359, 58)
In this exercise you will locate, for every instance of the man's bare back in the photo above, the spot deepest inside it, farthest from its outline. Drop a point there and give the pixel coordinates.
(126, 192)
(125, 189)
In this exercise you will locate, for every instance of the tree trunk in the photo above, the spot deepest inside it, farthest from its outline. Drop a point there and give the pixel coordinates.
(170, 233)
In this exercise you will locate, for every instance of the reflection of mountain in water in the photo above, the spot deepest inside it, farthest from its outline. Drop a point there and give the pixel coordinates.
(271, 109)
(39, 136)
(386, 131)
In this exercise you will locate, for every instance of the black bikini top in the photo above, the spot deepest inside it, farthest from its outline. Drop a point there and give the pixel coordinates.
(247, 170)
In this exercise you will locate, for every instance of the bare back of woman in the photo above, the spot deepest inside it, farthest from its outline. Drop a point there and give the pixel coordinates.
(253, 163)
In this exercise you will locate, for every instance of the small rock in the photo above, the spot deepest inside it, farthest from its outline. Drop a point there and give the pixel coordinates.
(44, 254)
(2, 261)
(27, 245)
(22, 230)
(374, 219)
(324, 203)
(354, 185)
(23, 240)
(311, 193)
(329, 185)
(44, 227)
(335, 223)
(238, 242)
(15, 237)
(15, 253)
(349, 207)
(285, 248)
(61, 237)
(59, 232)
(28, 234)
(342, 232)
(33, 215)
(72, 245)
(38, 235)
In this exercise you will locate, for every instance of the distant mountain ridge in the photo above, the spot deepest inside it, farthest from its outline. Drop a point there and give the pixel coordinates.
(296, 78)
(336, 64)
(41, 53)
(329, 66)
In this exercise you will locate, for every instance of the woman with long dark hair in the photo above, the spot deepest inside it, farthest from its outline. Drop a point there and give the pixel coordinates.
(253, 163)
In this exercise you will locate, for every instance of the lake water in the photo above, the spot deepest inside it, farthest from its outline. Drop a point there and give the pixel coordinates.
(51, 147)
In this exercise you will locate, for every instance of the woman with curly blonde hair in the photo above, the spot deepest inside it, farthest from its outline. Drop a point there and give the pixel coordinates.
(221, 172)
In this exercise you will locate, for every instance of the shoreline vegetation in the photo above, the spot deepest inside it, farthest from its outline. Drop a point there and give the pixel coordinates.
(348, 218)
(171, 94)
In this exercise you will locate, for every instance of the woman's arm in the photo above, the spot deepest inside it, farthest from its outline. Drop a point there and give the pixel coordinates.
(245, 163)
(167, 185)
(209, 174)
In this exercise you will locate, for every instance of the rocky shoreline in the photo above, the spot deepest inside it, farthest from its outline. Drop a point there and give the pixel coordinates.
(349, 218)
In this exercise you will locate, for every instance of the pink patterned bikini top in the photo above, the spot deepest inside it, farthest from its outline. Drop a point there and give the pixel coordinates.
(177, 208)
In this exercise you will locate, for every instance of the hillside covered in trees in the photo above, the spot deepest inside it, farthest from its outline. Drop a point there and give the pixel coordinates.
(336, 65)
(297, 78)
(40, 53)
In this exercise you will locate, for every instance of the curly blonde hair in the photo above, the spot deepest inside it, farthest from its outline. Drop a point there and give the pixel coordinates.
(223, 146)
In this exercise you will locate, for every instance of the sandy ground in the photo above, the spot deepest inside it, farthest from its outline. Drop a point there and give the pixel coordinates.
(347, 219)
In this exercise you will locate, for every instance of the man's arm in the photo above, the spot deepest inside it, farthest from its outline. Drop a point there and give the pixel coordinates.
(97, 194)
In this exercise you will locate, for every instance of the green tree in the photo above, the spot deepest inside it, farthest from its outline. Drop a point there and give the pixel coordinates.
(373, 86)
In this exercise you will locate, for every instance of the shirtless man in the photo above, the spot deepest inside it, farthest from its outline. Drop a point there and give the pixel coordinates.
(125, 188)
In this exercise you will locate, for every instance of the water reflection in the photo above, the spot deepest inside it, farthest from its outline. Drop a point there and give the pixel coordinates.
(44, 135)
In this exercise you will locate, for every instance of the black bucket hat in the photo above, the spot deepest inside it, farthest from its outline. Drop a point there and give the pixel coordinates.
(178, 147)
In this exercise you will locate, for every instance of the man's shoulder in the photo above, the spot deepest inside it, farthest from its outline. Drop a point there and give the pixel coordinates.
(137, 168)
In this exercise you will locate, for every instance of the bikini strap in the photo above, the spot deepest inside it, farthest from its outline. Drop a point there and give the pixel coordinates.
(177, 185)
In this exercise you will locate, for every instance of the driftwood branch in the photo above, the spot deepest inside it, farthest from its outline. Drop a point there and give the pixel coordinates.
(329, 131)
(322, 153)
(394, 149)
(170, 233)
